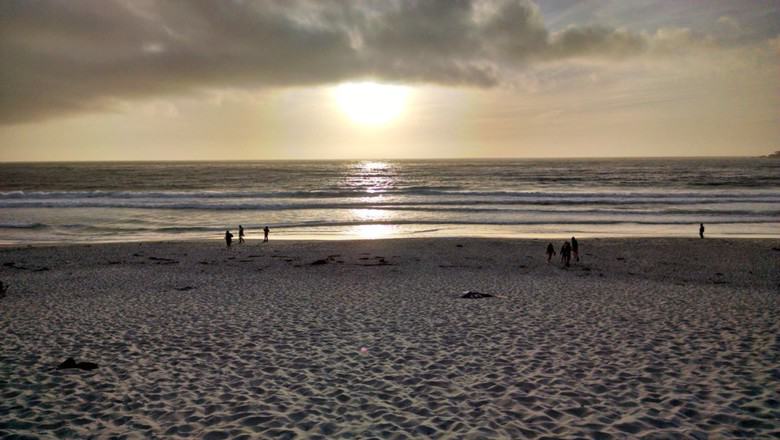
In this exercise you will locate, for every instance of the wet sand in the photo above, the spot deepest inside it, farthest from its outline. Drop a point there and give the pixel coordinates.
(651, 338)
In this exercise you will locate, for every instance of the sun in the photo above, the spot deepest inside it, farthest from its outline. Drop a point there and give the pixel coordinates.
(369, 103)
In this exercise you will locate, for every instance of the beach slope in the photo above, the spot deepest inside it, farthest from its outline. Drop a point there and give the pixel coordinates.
(651, 338)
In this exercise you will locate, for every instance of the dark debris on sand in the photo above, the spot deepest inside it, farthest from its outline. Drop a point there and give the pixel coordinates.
(458, 266)
(163, 260)
(381, 262)
(71, 363)
(13, 265)
(470, 294)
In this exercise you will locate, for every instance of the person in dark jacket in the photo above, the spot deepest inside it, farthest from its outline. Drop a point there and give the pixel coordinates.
(550, 252)
(566, 254)
(575, 249)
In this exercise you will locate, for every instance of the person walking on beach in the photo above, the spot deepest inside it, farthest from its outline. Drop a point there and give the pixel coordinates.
(701, 230)
(228, 238)
(575, 249)
(566, 253)
(240, 234)
(266, 230)
(550, 252)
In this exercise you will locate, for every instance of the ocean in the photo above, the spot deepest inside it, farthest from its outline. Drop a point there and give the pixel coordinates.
(136, 201)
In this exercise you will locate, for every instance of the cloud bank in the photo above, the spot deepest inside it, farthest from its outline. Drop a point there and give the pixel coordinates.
(64, 57)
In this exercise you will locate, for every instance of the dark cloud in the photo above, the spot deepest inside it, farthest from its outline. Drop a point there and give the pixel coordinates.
(597, 41)
(62, 57)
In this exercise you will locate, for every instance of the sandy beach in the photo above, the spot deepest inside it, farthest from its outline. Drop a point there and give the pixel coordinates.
(648, 339)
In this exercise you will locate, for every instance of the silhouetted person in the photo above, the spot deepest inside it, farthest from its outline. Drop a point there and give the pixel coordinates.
(566, 254)
(228, 238)
(701, 230)
(575, 249)
(266, 230)
(240, 234)
(550, 252)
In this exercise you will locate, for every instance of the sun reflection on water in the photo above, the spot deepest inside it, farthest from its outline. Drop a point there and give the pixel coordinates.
(372, 166)
(372, 177)
(372, 216)
(374, 231)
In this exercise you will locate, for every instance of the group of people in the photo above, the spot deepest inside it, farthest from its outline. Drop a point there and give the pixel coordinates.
(572, 248)
(229, 236)
(568, 249)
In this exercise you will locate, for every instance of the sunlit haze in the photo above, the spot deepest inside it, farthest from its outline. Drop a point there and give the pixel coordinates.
(254, 80)
(371, 103)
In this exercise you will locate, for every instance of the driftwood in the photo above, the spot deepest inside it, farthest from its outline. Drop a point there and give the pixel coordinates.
(474, 294)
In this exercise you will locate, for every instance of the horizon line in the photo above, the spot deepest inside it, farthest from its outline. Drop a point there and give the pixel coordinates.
(407, 159)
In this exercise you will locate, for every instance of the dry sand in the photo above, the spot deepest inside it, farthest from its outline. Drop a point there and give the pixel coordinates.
(654, 339)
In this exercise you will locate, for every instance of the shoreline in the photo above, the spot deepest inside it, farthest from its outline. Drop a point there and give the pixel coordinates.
(656, 338)
(326, 239)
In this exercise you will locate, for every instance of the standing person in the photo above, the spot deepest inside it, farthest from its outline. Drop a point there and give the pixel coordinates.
(228, 238)
(240, 234)
(575, 248)
(266, 230)
(566, 253)
(701, 230)
(550, 252)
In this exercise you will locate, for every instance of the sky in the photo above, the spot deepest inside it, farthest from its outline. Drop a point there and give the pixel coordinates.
(332, 79)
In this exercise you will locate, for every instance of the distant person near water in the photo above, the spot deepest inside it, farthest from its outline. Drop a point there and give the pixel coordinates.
(550, 252)
(228, 238)
(566, 254)
(240, 234)
(701, 230)
(266, 230)
(575, 248)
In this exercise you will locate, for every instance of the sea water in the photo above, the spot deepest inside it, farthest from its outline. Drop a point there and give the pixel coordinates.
(127, 201)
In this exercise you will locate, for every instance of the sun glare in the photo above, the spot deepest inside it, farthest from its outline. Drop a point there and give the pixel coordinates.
(371, 232)
(370, 103)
